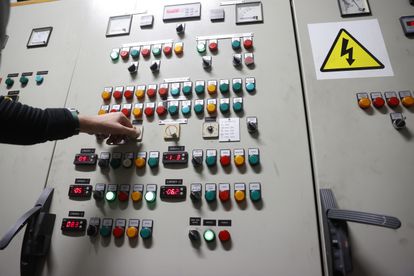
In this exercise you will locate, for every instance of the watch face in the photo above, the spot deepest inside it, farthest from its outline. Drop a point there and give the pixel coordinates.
(354, 7)
(39, 37)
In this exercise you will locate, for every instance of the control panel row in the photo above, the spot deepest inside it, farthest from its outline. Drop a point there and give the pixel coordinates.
(174, 190)
(175, 88)
(140, 159)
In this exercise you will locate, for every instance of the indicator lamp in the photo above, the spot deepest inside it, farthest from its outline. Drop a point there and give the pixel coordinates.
(224, 107)
(201, 47)
(364, 103)
(114, 55)
(239, 195)
(136, 196)
(132, 232)
(255, 195)
(235, 44)
(39, 79)
(210, 196)
(145, 233)
(224, 87)
(237, 107)
(199, 89)
(250, 87)
(198, 108)
(209, 235)
(237, 86)
(186, 90)
(185, 110)
(224, 235)
(105, 231)
(150, 197)
(110, 196)
(378, 102)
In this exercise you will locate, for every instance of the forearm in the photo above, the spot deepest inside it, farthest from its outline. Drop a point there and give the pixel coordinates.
(25, 125)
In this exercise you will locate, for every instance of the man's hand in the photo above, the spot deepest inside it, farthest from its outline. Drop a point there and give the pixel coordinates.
(114, 124)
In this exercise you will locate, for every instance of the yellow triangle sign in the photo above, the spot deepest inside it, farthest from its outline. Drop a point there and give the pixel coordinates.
(347, 54)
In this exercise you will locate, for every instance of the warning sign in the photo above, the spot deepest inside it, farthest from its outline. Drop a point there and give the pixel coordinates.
(348, 49)
(347, 53)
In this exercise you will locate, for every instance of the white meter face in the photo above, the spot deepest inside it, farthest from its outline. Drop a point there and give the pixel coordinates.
(39, 37)
(354, 7)
(119, 25)
(251, 12)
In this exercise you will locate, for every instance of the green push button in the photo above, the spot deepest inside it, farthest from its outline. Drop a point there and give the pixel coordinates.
(39, 79)
(23, 80)
(255, 195)
(115, 163)
(156, 51)
(186, 110)
(209, 235)
(235, 44)
(211, 160)
(224, 87)
(153, 162)
(254, 160)
(105, 231)
(237, 87)
(198, 108)
(250, 87)
(224, 107)
(201, 47)
(150, 196)
(210, 196)
(175, 92)
(173, 109)
(9, 82)
(187, 90)
(199, 89)
(237, 107)
(134, 53)
(114, 55)
(145, 233)
(110, 196)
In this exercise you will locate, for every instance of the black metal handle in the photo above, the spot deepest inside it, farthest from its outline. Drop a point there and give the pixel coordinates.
(365, 218)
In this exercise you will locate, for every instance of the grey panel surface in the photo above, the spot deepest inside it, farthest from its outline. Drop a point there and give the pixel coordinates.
(277, 238)
(357, 153)
(24, 169)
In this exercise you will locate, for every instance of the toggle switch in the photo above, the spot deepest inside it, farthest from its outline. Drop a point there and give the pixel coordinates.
(180, 28)
(252, 124)
(207, 61)
(99, 192)
(155, 66)
(196, 190)
(237, 60)
(194, 235)
(133, 67)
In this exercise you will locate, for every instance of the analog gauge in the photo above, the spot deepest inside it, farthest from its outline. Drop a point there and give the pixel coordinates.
(250, 12)
(39, 37)
(354, 7)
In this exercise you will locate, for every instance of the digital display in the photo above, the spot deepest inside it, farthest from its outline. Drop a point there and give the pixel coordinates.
(172, 157)
(85, 159)
(80, 191)
(173, 192)
(73, 225)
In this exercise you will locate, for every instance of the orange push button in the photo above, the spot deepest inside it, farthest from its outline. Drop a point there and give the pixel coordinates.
(406, 98)
(106, 94)
(363, 100)
(136, 196)
(132, 232)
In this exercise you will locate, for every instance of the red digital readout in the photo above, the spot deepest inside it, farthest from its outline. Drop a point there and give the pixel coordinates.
(78, 190)
(172, 191)
(173, 157)
(83, 158)
(410, 23)
(72, 224)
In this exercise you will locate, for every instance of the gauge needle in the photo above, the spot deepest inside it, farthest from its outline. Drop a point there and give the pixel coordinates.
(359, 8)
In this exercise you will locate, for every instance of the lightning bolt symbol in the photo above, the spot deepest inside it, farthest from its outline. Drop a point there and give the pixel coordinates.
(345, 51)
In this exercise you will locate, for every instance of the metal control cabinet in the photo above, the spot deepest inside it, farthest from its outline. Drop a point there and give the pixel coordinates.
(277, 236)
(358, 153)
(24, 170)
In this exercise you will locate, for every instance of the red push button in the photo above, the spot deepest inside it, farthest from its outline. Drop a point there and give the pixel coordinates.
(393, 101)
(161, 110)
(149, 111)
(224, 235)
(163, 92)
(213, 46)
(225, 160)
(224, 195)
(118, 232)
(126, 112)
(151, 92)
(122, 196)
(128, 94)
(117, 95)
(145, 52)
(124, 54)
(378, 102)
(248, 43)
(167, 50)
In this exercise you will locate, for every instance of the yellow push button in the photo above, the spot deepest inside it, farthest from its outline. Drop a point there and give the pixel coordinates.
(211, 108)
(239, 160)
(137, 112)
(178, 49)
(211, 89)
(136, 196)
(106, 95)
(140, 162)
(132, 232)
(408, 101)
(364, 103)
(101, 112)
(140, 94)
(239, 195)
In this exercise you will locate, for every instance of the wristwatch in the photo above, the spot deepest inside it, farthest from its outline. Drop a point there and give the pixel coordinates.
(75, 113)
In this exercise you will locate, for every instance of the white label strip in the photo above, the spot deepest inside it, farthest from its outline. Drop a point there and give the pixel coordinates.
(183, 79)
(224, 36)
(145, 43)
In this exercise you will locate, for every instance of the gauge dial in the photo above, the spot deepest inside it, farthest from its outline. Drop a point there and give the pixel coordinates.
(250, 12)
(354, 7)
